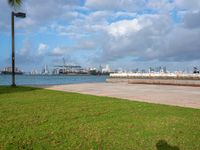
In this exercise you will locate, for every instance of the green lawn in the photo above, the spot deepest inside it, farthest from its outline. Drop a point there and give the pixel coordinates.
(42, 119)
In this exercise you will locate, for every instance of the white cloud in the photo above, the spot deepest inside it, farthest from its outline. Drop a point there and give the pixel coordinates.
(146, 37)
(113, 29)
(26, 48)
(59, 51)
(161, 5)
(124, 27)
(157, 39)
(42, 48)
(26, 55)
(39, 13)
(140, 38)
(123, 5)
(24, 23)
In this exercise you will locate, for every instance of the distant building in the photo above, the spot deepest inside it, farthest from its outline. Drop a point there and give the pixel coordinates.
(158, 69)
(135, 70)
(34, 72)
(45, 70)
(55, 71)
(165, 69)
(100, 68)
(143, 71)
(106, 69)
(151, 70)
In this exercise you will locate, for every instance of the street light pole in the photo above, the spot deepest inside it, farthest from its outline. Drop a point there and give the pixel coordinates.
(13, 47)
(13, 15)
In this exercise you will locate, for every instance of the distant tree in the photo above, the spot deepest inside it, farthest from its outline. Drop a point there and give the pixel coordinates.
(15, 3)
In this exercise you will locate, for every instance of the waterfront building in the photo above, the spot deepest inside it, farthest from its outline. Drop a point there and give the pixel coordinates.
(45, 70)
(100, 68)
(106, 69)
(34, 72)
(158, 69)
(135, 70)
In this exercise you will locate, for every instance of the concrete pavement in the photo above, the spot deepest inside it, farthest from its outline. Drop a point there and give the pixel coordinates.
(184, 96)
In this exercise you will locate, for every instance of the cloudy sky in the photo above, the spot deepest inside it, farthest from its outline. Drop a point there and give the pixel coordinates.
(122, 33)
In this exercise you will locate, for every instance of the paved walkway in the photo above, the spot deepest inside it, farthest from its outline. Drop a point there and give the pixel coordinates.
(184, 96)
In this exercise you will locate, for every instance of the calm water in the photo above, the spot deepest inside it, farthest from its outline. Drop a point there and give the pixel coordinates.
(50, 80)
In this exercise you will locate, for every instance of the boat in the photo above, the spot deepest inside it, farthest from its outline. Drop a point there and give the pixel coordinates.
(8, 71)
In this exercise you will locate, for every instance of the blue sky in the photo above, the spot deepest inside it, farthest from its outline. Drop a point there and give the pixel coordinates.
(122, 33)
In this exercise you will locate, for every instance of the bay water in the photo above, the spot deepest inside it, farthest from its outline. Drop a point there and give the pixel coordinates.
(50, 79)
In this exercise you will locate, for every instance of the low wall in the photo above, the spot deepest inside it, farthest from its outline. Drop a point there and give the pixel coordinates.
(181, 82)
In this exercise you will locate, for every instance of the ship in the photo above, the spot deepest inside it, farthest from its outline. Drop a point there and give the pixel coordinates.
(8, 71)
(70, 70)
(67, 69)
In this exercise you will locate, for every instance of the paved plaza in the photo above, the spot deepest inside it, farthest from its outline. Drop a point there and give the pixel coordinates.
(184, 96)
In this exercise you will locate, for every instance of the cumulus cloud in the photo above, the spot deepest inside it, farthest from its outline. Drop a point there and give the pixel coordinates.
(113, 30)
(59, 51)
(85, 45)
(140, 38)
(124, 27)
(149, 37)
(161, 5)
(123, 5)
(81, 45)
(39, 13)
(42, 48)
(192, 19)
(188, 4)
(181, 45)
(145, 37)
(26, 54)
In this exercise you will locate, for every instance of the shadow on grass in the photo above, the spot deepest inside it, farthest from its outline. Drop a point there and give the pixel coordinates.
(163, 145)
(17, 89)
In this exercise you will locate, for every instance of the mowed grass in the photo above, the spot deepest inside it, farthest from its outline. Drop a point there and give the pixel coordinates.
(32, 118)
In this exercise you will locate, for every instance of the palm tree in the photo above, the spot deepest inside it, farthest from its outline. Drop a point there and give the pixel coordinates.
(15, 3)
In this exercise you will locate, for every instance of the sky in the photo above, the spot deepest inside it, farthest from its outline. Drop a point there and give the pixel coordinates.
(125, 34)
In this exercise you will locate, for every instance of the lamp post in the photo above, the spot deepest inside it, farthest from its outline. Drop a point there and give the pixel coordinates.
(13, 15)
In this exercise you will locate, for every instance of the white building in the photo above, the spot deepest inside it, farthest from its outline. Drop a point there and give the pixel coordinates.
(106, 69)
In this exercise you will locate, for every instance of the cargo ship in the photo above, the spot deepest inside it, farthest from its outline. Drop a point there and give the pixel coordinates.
(70, 70)
(8, 71)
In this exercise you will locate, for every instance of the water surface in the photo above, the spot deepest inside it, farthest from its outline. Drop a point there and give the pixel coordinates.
(50, 79)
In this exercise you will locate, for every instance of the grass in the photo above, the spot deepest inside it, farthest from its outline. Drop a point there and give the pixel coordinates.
(33, 118)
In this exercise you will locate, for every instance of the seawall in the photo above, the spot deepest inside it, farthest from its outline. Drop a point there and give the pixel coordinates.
(165, 79)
